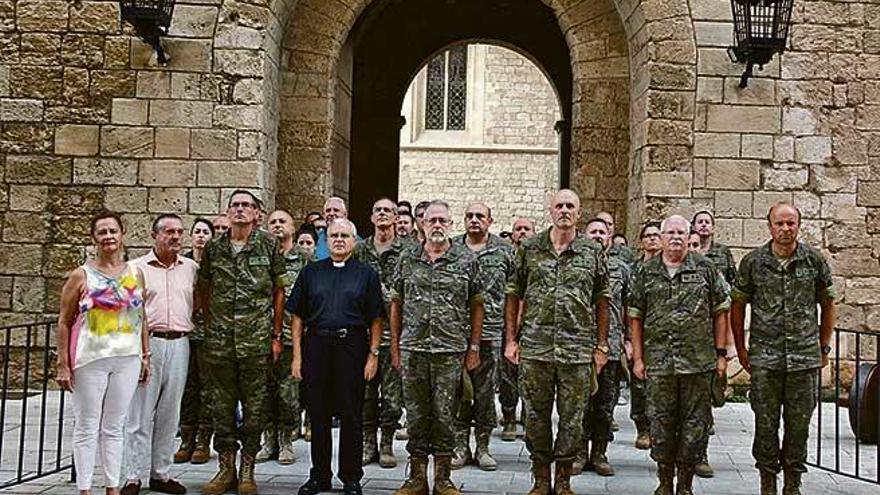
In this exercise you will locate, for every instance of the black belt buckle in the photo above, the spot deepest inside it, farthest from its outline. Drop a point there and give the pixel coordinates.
(342, 333)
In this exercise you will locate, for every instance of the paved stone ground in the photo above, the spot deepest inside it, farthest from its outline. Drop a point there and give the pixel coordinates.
(729, 453)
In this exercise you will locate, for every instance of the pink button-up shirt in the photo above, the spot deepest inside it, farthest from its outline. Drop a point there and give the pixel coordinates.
(168, 292)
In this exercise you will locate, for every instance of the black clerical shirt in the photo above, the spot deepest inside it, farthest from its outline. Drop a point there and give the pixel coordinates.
(331, 295)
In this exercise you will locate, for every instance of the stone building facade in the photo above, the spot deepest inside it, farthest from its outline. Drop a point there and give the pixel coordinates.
(506, 153)
(283, 97)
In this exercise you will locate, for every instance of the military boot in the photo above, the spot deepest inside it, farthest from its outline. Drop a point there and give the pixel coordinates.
(666, 476)
(643, 440)
(225, 480)
(417, 483)
(461, 455)
(246, 483)
(482, 456)
(286, 454)
(791, 483)
(768, 483)
(684, 484)
(541, 472)
(268, 445)
(187, 444)
(442, 484)
(307, 432)
(386, 449)
(562, 480)
(371, 447)
(202, 452)
(579, 462)
(600, 461)
(508, 424)
(703, 469)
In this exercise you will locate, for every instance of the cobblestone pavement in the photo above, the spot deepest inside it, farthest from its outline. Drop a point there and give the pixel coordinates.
(729, 454)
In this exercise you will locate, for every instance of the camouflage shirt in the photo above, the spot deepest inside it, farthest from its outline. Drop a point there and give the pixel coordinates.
(384, 264)
(784, 332)
(436, 298)
(677, 314)
(294, 260)
(618, 285)
(496, 265)
(722, 258)
(198, 332)
(560, 292)
(241, 293)
(624, 253)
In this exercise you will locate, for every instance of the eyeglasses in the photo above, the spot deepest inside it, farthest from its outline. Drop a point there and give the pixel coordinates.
(241, 204)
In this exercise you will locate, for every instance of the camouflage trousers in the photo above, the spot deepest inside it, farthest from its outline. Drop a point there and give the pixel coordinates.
(283, 408)
(195, 408)
(542, 384)
(482, 411)
(791, 394)
(508, 383)
(235, 380)
(681, 412)
(430, 384)
(638, 402)
(383, 397)
(599, 411)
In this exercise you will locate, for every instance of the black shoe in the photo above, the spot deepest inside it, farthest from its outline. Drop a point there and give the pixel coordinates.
(352, 488)
(314, 486)
(170, 486)
(131, 489)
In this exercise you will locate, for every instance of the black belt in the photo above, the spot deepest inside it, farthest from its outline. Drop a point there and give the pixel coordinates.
(169, 335)
(338, 333)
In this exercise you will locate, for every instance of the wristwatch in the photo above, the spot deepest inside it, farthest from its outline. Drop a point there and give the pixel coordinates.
(375, 352)
(474, 347)
(826, 349)
(603, 348)
(277, 336)
(720, 352)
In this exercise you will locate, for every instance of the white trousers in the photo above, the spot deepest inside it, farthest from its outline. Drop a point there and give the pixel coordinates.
(101, 395)
(154, 413)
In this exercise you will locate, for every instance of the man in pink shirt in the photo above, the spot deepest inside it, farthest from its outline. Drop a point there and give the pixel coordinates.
(154, 412)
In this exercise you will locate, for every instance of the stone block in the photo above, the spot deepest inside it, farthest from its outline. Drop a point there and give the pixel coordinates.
(214, 144)
(185, 86)
(868, 117)
(784, 176)
(116, 52)
(42, 15)
(25, 227)
(736, 204)
(842, 235)
(732, 174)
(193, 21)
(39, 49)
(83, 50)
(249, 92)
(7, 15)
(21, 110)
(738, 118)
(853, 262)
(76, 200)
(21, 259)
(25, 138)
(710, 89)
(105, 171)
(242, 117)
(172, 142)
(95, 17)
(805, 93)
(863, 290)
(755, 232)
(809, 203)
(850, 149)
(109, 84)
(60, 260)
(192, 55)
(77, 140)
(171, 173)
(763, 200)
(126, 199)
(835, 179)
(181, 113)
(869, 193)
(719, 34)
(128, 111)
(153, 84)
(29, 294)
(76, 88)
(758, 146)
(28, 198)
(167, 200)
(759, 92)
(841, 206)
(716, 145)
(237, 36)
(242, 63)
(36, 82)
(127, 141)
(37, 169)
(783, 148)
(230, 174)
(798, 121)
(204, 201)
(250, 145)
(813, 149)
(4, 80)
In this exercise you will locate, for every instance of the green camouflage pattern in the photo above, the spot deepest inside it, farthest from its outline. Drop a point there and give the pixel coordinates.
(496, 266)
(240, 305)
(623, 253)
(430, 383)
(722, 258)
(567, 385)
(560, 292)
(677, 314)
(384, 264)
(282, 408)
(436, 298)
(681, 413)
(195, 407)
(232, 381)
(784, 330)
(619, 277)
(508, 383)
(384, 410)
(294, 261)
(794, 394)
(482, 410)
(599, 410)
(198, 332)
(638, 401)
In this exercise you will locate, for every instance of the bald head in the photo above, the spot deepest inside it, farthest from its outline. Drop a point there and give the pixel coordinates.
(565, 209)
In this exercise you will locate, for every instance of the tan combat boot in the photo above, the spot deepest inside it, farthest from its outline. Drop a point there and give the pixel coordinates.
(482, 456)
(508, 431)
(768, 483)
(371, 447)
(791, 483)
(442, 484)
(643, 440)
(542, 486)
(225, 480)
(703, 469)
(268, 445)
(684, 483)
(417, 483)
(386, 449)
(666, 476)
(286, 455)
(246, 483)
(580, 462)
(599, 460)
(202, 452)
(562, 480)
(187, 444)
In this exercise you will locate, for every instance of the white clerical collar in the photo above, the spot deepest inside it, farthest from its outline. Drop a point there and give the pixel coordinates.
(338, 264)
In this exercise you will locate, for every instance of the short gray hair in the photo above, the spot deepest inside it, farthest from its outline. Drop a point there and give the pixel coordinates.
(344, 222)
(676, 218)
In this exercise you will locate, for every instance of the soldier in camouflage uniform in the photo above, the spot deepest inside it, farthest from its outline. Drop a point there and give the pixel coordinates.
(600, 411)
(436, 320)
(241, 283)
(496, 264)
(677, 311)
(383, 396)
(621, 251)
(283, 409)
(563, 280)
(783, 281)
(638, 404)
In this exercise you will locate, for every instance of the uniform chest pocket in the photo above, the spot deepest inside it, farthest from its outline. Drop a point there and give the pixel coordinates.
(258, 261)
(694, 289)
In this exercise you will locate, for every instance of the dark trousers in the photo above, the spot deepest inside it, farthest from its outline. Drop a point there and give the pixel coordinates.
(333, 374)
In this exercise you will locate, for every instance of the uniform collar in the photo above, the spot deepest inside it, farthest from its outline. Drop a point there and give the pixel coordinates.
(151, 259)
(579, 245)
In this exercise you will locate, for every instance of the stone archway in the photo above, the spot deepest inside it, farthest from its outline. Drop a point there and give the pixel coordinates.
(631, 129)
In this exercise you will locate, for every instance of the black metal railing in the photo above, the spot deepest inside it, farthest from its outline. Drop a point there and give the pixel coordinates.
(845, 439)
(35, 429)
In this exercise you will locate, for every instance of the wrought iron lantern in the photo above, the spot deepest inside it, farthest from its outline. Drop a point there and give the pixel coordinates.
(760, 30)
(151, 19)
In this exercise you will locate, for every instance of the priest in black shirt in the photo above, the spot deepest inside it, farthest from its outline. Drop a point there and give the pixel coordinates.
(339, 301)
